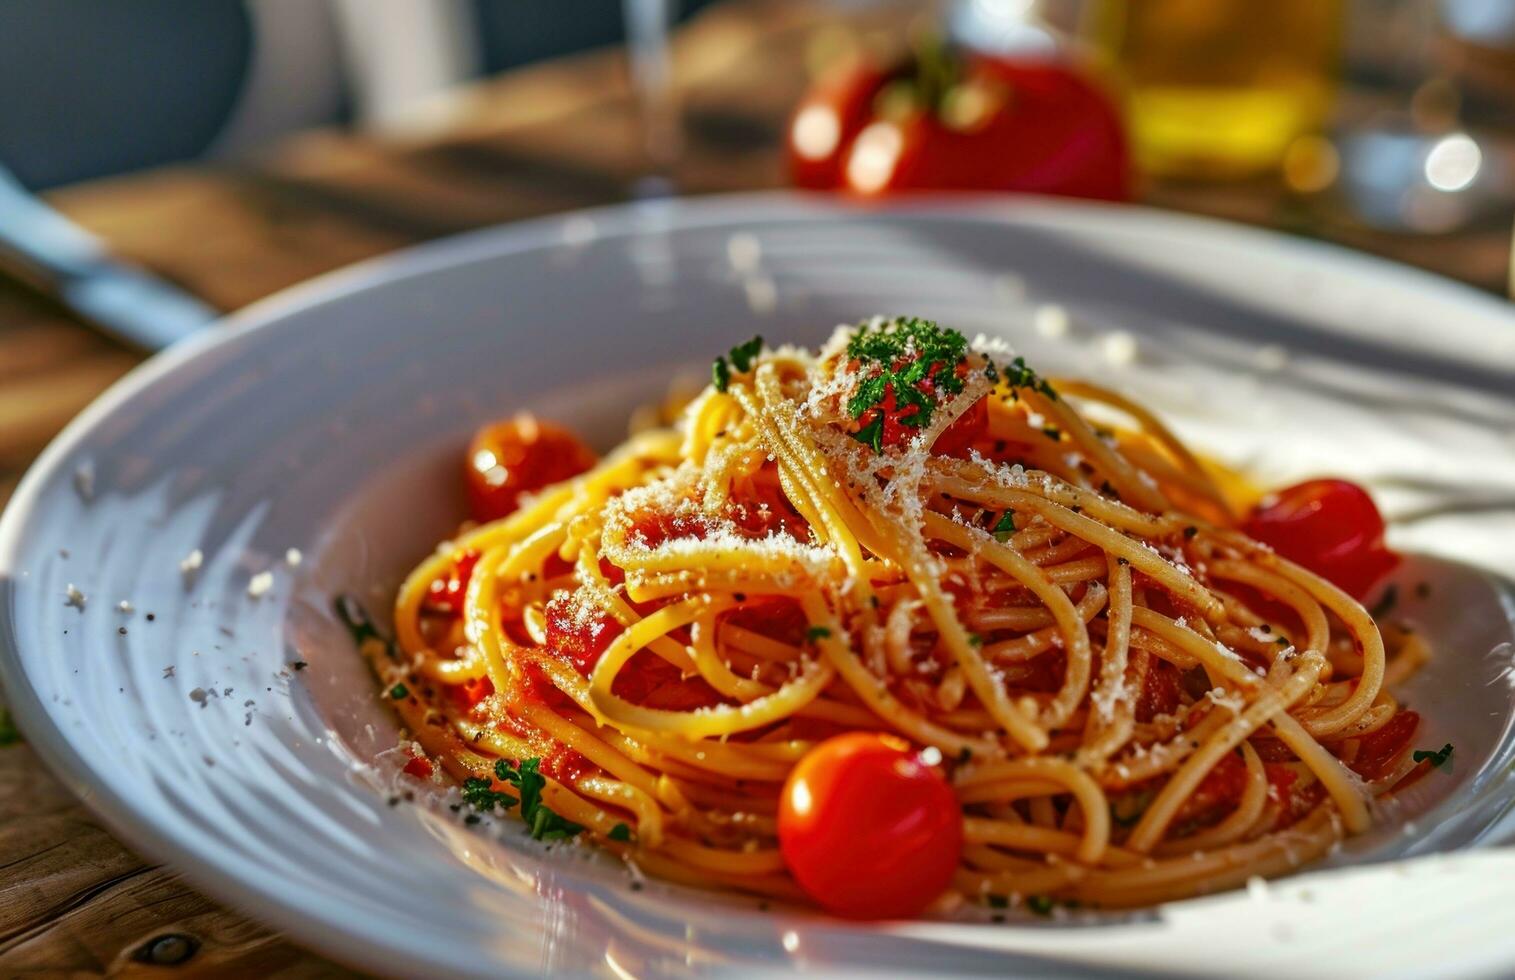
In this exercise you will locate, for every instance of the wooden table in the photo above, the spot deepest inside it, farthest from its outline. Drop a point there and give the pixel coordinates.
(550, 138)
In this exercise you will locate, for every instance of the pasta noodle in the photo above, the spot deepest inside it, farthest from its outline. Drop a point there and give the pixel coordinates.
(1133, 702)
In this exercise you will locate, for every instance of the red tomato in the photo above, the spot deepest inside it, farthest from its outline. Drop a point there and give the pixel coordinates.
(1379, 748)
(900, 419)
(418, 767)
(963, 433)
(445, 595)
(826, 122)
(576, 638)
(867, 829)
(1160, 694)
(1331, 528)
(518, 456)
(1281, 779)
(469, 693)
(972, 122)
(1219, 792)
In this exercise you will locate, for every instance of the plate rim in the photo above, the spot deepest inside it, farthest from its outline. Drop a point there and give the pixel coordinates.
(340, 938)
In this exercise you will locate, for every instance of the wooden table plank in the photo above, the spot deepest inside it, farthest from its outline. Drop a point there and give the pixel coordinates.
(557, 136)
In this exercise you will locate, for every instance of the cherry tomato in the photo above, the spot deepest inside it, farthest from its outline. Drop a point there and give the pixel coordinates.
(1052, 133)
(519, 456)
(1331, 528)
(949, 121)
(418, 766)
(826, 122)
(867, 829)
(446, 595)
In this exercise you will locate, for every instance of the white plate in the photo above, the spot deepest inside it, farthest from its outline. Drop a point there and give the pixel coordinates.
(330, 420)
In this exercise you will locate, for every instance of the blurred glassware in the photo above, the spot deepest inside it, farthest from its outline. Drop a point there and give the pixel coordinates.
(1416, 165)
(648, 23)
(1220, 88)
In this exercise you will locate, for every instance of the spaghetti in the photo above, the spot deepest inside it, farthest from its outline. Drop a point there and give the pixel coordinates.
(1131, 700)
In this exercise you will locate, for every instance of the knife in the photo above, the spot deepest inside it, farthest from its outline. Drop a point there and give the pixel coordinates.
(66, 263)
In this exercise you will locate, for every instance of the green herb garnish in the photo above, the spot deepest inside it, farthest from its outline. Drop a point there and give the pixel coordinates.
(359, 626)
(998, 902)
(541, 822)
(742, 354)
(817, 632)
(480, 794)
(1436, 757)
(1004, 527)
(620, 832)
(399, 691)
(741, 358)
(1018, 375)
(872, 434)
(909, 363)
(974, 640)
(1040, 904)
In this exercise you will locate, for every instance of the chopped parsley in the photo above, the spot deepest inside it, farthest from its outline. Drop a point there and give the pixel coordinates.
(1004, 527)
(620, 832)
(480, 794)
(9, 734)
(816, 633)
(909, 363)
(975, 640)
(1040, 904)
(998, 902)
(399, 691)
(741, 356)
(541, 822)
(359, 626)
(1436, 757)
(1018, 375)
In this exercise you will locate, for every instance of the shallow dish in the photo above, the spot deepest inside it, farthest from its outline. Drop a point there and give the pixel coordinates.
(235, 734)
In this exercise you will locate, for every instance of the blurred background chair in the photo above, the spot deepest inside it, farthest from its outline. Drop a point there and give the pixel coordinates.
(96, 87)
